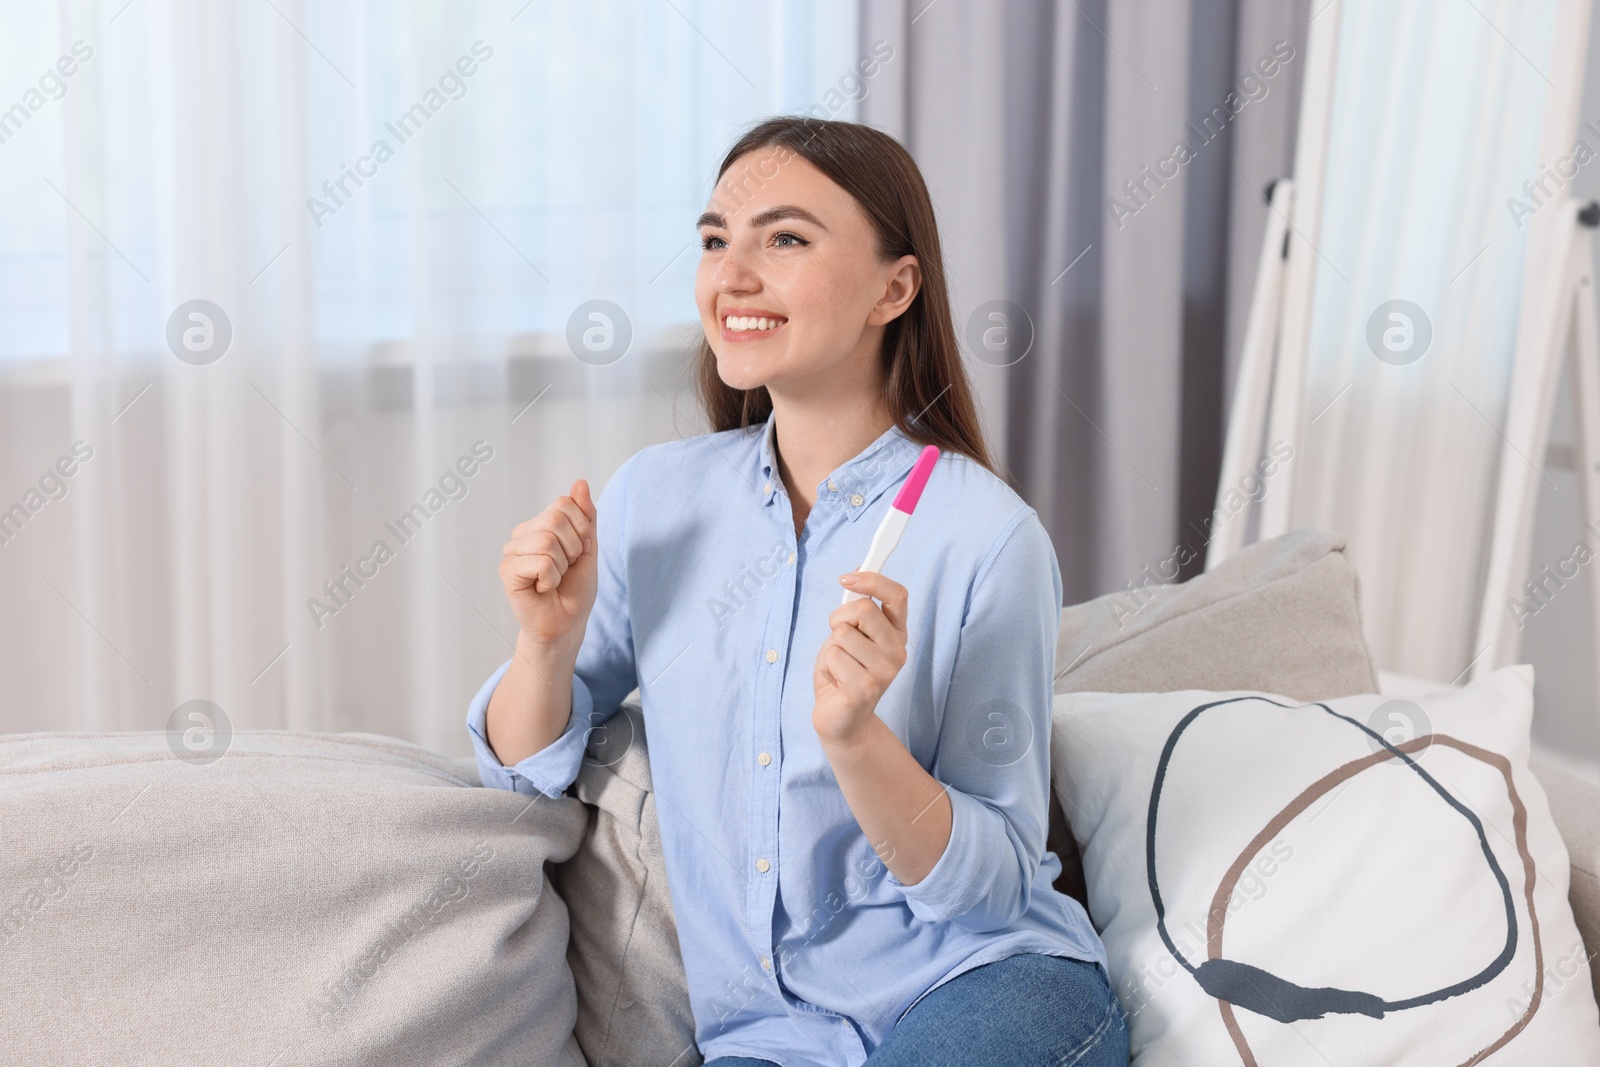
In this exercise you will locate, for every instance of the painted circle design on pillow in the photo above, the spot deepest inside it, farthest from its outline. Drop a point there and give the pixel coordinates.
(1217, 917)
(1234, 983)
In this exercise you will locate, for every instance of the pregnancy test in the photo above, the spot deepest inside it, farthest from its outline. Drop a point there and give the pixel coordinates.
(894, 523)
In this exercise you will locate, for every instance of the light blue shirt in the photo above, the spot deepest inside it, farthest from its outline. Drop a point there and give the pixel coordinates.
(798, 943)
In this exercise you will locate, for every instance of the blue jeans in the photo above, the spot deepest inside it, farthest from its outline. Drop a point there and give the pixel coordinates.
(1027, 1010)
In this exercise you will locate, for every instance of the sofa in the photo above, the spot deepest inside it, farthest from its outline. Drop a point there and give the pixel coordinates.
(350, 898)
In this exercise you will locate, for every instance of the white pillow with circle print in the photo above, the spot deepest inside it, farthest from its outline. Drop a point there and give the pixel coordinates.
(1358, 881)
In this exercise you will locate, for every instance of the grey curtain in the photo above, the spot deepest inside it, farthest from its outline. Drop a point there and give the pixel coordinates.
(1048, 134)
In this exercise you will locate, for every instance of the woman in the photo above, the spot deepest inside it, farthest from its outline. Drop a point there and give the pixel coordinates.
(857, 866)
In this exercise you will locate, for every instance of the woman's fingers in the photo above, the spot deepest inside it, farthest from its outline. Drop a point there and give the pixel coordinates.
(875, 622)
(544, 542)
(571, 540)
(578, 526)
(538, 571)
(559, 531)
(891, 592)
(542, 548)
(870, 620)
(542, 554)
(878, 658)
(585, 502)
(867, 642)
(579, 522)
(845, 672)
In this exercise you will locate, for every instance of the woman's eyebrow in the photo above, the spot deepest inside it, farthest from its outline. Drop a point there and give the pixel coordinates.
(766, 218)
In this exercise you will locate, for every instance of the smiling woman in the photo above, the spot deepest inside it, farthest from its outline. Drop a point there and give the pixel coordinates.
(780, 217)
(897, 803)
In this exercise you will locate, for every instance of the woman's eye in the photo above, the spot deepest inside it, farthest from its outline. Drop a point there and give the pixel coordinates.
(705, 242)
(796, 239)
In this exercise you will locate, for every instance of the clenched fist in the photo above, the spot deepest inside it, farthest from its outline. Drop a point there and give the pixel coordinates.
(550, 573)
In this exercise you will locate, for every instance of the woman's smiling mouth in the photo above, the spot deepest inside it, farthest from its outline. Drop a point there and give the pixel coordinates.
(750, 324)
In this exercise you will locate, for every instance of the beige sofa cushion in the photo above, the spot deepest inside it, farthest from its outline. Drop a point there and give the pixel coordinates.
(1282, 615)
(304, 899)
(633, 997)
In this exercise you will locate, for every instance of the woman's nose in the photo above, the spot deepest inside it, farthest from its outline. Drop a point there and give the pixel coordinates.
(735, 273)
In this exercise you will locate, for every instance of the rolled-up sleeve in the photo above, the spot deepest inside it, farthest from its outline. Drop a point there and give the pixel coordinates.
(993, 754)
(603, 677)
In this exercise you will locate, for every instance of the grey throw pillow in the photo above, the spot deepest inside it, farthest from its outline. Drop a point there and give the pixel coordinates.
(303, 899)
(1282, 615)
(633, 997)
(1279, 616)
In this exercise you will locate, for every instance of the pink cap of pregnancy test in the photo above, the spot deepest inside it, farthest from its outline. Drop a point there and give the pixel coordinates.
(911, 492)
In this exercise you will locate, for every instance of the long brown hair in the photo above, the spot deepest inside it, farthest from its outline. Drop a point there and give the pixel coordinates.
(925, 382)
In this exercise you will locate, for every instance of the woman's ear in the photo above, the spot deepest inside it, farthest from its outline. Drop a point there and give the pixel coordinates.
(900, 288)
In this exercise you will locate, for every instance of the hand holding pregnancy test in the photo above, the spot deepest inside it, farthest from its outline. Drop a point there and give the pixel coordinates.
(866, 645)
(894, 523)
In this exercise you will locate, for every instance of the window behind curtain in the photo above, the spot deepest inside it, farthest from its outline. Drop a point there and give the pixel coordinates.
(568, 166)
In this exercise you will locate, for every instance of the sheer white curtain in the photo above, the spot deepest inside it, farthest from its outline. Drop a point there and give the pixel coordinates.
(1434, 130)
(396, 215)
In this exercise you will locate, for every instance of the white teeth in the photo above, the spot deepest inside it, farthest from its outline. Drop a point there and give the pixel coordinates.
(739, 323)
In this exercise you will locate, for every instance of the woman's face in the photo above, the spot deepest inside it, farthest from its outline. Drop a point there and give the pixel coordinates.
(782, 242)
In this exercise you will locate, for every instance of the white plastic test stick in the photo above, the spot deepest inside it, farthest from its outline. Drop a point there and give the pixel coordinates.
(894, 523)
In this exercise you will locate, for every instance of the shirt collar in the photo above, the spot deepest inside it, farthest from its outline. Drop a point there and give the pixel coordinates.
(855, 484)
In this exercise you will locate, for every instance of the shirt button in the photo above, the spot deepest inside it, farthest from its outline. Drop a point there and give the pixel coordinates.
(772, 655)
(791, 557)
(766, 964)
(762, 865)
(857, 499)
(764, 758)
(768, 488)
(831, 486)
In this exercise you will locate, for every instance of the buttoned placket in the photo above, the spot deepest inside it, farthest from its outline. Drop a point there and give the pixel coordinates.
(835, 503)
(766, 767)
(767, 770)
